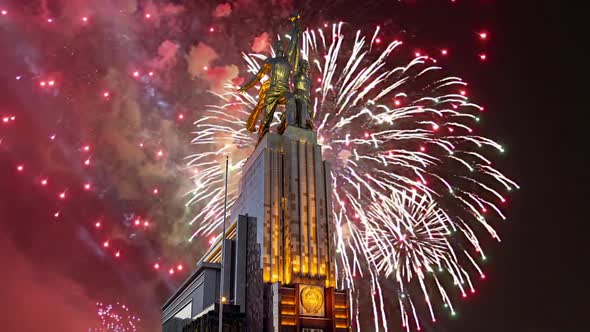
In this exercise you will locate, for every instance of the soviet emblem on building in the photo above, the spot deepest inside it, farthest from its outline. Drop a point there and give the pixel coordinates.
(312, 301)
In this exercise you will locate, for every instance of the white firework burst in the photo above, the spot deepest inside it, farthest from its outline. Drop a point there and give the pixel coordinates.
(400, 138)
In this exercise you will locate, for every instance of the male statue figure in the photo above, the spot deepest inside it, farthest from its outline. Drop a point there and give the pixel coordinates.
(276, 92)
(302, 85)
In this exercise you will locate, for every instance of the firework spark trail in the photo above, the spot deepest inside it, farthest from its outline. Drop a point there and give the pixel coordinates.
(408, 236)
(115, 318)
(400, 140)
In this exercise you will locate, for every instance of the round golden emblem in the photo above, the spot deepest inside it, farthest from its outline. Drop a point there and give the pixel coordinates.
(312, 299)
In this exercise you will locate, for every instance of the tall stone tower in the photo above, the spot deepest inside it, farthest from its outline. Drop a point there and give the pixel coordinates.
(286, 187)
(279, 257)
(278, 264)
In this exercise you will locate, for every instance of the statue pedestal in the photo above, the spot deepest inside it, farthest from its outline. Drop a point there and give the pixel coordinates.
(286, 186)
(300, 134)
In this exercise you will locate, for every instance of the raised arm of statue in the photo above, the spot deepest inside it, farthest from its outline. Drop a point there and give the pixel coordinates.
(265, 69)
(294, 50)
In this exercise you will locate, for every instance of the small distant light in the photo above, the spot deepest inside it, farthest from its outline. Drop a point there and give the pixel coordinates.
(205, 68)
(211, 29)
(148, 15)
(171, 271)
(367, 135)
(160, 153)
(20, 168)
(62, 195)
(325, 25)
(105, 244)
(4, 12)
(137, 222)
(483, 35)
(146, 223)
(117, 254)
(85, 19)
(417, 54)
(483, 57)
(179, 267)
(444, 51)
(44, 182)
(422, 149)
(87, 186)
(397, 102)
(18, 78)
(86, 148)
(97, 224)
(223, 299)
(42, 83)
(56, 215)
(106, 94)
(156, 191)
(136, 74)
(377, 40)
(49, 20)
(5, 119)
(151, 73)
(463, 92)
(87, 162)
(52, 137)
(157, 266)
(51, 83)
(435, 126)
(180, 116)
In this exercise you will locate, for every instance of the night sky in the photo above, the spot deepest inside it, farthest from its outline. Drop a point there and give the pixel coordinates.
(125, 135)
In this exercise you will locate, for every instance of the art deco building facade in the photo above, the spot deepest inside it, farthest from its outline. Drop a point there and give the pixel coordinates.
(280, 258)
